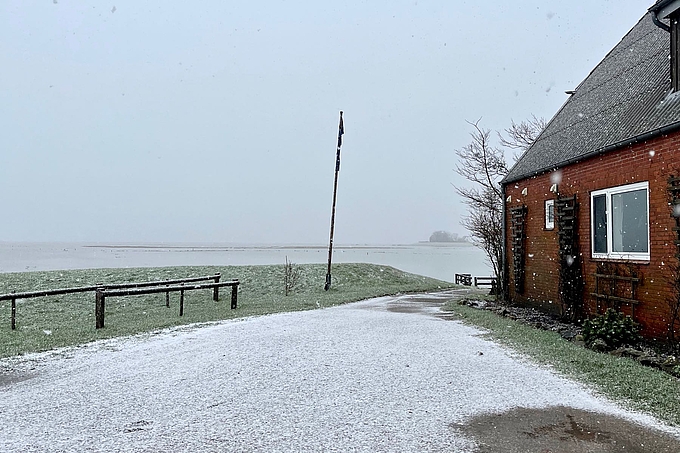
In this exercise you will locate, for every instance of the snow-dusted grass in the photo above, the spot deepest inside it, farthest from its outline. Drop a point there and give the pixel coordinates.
(620, 379)
(51, 322)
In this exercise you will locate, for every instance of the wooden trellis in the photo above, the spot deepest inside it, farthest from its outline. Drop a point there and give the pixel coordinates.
(613, 287)
(674, 194)
(518, 228)
(674, 302)
(571, 282)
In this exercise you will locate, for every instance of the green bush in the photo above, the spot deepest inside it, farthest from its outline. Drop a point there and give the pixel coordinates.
(614, 328)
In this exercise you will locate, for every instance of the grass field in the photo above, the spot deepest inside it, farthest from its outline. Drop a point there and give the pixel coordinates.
(620, 379)
(49, 322)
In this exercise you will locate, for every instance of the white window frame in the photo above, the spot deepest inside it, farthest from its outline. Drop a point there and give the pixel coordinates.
(638, 256)
(549, 223)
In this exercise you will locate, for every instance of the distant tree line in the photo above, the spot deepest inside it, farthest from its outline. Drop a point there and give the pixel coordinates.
(445, 236)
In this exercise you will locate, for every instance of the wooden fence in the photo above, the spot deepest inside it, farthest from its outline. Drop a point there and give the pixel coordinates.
(102, 294)
(463, 279)
(489, 282)
(468, 279)
(164, 285)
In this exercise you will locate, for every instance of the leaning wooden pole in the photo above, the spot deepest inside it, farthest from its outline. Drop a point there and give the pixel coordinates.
(341, 131)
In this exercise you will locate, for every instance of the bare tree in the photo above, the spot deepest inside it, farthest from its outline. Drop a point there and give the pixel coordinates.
(521, 136)
(485, 166)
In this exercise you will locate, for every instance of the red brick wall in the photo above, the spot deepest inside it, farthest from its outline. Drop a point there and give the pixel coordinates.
(652, 161)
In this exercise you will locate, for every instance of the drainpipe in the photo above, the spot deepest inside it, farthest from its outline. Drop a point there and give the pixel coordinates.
(670, 9)
(658, 22)
(504, 264)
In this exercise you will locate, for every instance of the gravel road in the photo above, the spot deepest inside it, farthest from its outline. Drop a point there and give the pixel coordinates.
(384, 375)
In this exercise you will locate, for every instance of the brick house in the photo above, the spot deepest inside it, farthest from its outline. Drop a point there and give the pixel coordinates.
(589, 208)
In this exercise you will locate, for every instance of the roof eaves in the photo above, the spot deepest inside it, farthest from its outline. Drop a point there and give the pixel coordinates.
(660, 4)
(630, 141)
(664, 8)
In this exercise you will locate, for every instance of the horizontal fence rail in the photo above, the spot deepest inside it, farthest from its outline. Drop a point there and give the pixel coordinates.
(468, 280)
(463, 279)
(215, 277)
(84, 289)
(13, 296)
(47, 292)
(102, 294)
(485, 281)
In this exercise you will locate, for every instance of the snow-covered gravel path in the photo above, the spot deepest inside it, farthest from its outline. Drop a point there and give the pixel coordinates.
(375, 376)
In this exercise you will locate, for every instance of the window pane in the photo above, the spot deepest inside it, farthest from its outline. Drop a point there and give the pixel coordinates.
(629, 221)
(600, 224)
(549, 214)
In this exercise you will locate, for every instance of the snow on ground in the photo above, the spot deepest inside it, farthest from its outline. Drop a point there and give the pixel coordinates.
(352, 378)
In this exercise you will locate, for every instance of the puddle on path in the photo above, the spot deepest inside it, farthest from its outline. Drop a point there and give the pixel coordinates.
(549, 430)
(7, 379)
(563, 430)
(406, 306)
(425, 303)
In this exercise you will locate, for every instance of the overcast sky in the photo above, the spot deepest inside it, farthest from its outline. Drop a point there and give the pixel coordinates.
(217, 120)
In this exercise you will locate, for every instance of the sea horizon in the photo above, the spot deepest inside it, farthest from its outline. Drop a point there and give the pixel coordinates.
(437, 260)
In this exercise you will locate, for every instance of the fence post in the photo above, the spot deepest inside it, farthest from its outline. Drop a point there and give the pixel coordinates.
(234, 295)
(181, 301)
(14, 313)
(216, 290)
(167, 297)
(99, 307)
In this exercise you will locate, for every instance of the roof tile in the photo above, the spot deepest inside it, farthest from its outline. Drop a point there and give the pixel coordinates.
(624, 97)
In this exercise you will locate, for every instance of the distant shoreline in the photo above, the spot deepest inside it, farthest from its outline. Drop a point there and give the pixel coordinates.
(274, 247)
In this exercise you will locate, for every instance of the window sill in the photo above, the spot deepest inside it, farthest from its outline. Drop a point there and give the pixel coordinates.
(620, 260)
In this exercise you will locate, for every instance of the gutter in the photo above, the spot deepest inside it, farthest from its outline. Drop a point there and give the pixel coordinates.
(659, 7)
(658, 22)
(630, 141)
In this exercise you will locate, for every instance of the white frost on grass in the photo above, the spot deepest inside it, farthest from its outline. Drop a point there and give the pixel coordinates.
(349, 378)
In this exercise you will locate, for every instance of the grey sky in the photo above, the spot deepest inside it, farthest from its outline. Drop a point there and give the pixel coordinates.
(217, 121)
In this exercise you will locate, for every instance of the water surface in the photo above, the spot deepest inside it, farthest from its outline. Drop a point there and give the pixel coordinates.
(440, 261)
